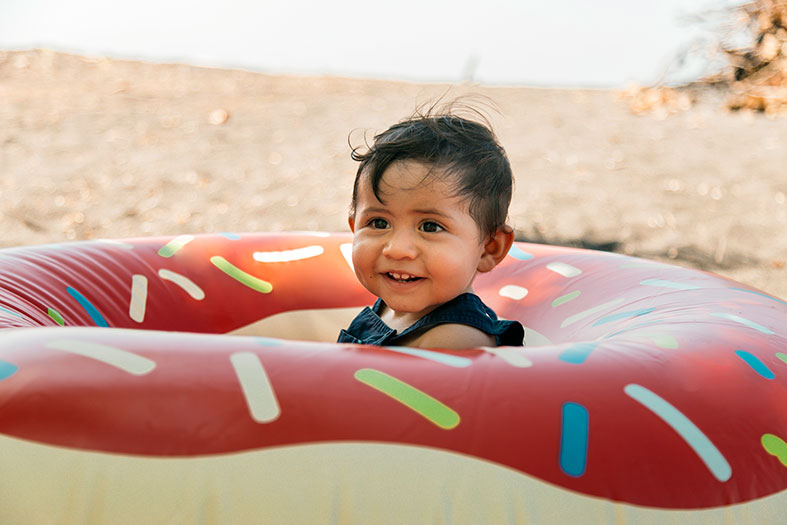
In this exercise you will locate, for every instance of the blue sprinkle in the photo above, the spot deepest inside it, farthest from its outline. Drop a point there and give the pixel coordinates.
(517, 253)
(577, 353)
(757, 365)
(7, 369)
(623, 315)
(230, 236)
(89, 308)
(574, 439)
(6, 310)
(761, 294)
(268, 341)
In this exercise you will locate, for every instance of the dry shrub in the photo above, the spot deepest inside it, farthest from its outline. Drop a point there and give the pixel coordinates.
(752, 40)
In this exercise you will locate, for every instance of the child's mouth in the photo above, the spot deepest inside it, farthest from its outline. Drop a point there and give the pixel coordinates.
(402, 277)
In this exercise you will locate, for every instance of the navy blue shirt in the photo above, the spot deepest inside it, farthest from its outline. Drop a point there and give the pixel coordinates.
(467, 308)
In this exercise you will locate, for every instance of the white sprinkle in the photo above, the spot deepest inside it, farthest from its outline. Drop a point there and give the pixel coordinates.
(566, 270)
(260, 397)
(114, 242)
(289, 255)
(184, 282)
(122, 359)
(139, 297)
(581, 315)
(690, 433)
(669, 284)
(535, 338)
(511, 356)
(347, 252)
(513, 291)
(446, 359)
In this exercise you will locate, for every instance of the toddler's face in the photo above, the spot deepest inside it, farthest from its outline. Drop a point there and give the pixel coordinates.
(421, 248)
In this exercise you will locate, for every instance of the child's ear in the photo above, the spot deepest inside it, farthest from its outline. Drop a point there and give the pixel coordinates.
(351, 222)
(496, 248)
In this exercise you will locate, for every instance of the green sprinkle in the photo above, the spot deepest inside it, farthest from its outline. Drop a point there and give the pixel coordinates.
(782, 356)
(409, 396)
(239, 275)
(566, 298)
(664, 340)
(775, 446)
(54, 314)
(172, 247)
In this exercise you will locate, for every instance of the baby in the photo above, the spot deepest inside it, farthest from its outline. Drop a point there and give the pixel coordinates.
(428, 212)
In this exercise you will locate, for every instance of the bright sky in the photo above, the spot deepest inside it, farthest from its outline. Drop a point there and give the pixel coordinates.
(567, 43)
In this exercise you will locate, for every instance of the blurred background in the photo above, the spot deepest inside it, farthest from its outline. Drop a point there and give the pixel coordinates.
(568, 43)
(653, 129)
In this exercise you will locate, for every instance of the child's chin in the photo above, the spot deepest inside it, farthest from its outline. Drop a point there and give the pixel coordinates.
(408, 308)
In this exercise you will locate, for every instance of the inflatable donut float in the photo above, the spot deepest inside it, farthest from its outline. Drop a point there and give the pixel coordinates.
(647, 393)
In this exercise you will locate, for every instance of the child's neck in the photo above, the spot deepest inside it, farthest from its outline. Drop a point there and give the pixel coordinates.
(401, 321)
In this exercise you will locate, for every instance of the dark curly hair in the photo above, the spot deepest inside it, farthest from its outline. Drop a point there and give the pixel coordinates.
(454, 147)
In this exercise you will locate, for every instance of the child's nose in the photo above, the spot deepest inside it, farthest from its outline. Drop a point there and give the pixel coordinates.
(400, 245)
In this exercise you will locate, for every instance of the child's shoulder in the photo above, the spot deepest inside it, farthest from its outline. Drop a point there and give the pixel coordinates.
(453, 336)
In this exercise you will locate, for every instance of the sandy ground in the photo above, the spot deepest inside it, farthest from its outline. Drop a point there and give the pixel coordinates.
(98, 148)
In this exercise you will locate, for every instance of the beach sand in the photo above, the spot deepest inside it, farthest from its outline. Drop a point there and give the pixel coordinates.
(99, 148)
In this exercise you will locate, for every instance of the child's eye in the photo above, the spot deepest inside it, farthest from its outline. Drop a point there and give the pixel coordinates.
(378, 224)
(431, 227)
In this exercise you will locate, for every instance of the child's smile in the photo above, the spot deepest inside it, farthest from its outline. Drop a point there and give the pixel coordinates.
(420, 247)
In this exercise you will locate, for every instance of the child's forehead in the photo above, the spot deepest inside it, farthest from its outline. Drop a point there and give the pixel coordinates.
(414, 189)
(412, 174)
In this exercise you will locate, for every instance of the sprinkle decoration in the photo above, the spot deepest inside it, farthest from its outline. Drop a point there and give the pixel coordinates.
(175, 245)
(347, 252)
(761, 294)
(517, 253)
(574, 431)
(414, 399)
(437, 357)
(257, 388)
(116, 243)
(239, 275)
(754, 362)
(669, 284)
(289, 255)
(566, 298)
(7, 311)
(513, 291)
(577, 353)
(91, 310)
(139, 297)
(7, 369)
(691, 434)
(55, 315)
(566, 270)
(663, 340)
(568, 321)
(743, 321)
(510, 355)
(623, 315)
(775, 446)
(110, 355)
(184, 282)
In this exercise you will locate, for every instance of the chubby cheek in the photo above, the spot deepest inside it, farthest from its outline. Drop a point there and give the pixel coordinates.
(363, 260)
(453, 270)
